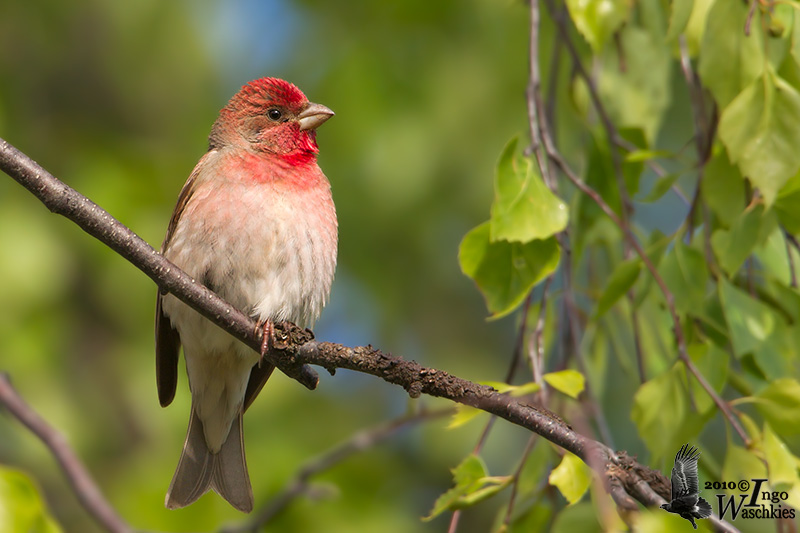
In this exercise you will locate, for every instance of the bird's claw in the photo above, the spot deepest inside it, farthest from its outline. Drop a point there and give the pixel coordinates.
(267, 338)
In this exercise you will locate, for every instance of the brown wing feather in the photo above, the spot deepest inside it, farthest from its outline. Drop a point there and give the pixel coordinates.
(168, 342)
(258, 377)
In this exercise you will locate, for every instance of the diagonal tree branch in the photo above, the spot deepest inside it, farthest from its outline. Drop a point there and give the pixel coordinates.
(295, 347)
(360, 441)
(77, 475)
(63, 200)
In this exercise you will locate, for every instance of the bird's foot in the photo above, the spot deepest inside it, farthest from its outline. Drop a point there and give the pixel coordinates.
(270, 338)
(267, 337)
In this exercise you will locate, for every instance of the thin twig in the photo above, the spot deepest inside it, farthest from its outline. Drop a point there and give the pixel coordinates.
(697, 102)
(555, 157)
(790, 259)
(515, 482)
(637, 338)
(536, 346)
(512, 370)
(749, 21)
(538, 127)
(560, 18)
(76, 473)
(669, 298)
(703, 133)
(512, 367)
(359, 442)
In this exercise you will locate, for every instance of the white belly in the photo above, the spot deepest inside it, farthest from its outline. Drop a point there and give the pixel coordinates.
(271, 255)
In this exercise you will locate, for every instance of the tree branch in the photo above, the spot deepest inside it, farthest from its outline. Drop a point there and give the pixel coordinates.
(295, 347)
(97, 222)
(77, 475)
(553, 154)
(361, 441)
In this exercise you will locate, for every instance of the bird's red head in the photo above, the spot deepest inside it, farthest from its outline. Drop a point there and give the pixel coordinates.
(271, 115)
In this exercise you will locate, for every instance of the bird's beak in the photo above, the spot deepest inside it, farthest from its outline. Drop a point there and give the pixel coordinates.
(313, 116)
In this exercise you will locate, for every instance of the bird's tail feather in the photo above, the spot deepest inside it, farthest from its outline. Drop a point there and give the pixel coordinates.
(199, 470)
(703, 508)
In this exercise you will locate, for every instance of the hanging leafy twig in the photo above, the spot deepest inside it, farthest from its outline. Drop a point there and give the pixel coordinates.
(555, 157)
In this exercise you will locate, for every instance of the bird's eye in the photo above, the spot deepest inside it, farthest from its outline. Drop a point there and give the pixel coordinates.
(274, 114)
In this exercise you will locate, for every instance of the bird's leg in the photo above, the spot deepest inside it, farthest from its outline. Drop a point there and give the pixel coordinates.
(267, 333)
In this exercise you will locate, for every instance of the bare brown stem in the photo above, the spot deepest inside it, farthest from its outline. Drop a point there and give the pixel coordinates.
(361, 441)
(97, 222)
(299, 349)
(749, 21)
(74, 470)
(555, 157)
(790, 259)
(512, 500)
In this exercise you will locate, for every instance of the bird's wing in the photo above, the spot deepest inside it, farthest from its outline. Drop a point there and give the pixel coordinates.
(168, 341)
(684, 473)
(258, 377)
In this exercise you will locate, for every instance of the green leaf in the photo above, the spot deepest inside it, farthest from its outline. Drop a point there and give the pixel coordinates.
(679, 17)
(636, 93)
(638, 156)
(760, 129)
(779, 404)
(622, 279)
(756, 329)
(536, 517)
(695, 28)
(21, 505)
(781, 463)
(572, 478)
(570, 382)
(778, 24)
(472, 485)
(733, 247)
(632, 168)
(787, 205)
(663, 412)
(524, 208)
(505, 272)
(723, 187)
(729, 59)
(597, 20)
(463, 415)
(742, 464)
(712, 362)
(750, 322)
(685, 272)
(660, 187)
(514, 390)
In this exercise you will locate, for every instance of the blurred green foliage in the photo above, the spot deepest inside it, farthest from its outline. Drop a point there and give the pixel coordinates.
(117, 99)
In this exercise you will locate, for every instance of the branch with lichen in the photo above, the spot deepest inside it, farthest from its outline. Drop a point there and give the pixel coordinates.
(295, 349)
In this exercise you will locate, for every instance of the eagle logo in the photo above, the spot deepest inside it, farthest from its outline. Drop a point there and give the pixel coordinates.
(686, 500)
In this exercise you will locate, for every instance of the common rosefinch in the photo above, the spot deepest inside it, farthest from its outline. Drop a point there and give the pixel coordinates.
(255, 223)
